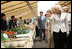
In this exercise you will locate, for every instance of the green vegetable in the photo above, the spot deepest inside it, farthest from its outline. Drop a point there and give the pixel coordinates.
(24, 31)
(15, 29)
(19, 32)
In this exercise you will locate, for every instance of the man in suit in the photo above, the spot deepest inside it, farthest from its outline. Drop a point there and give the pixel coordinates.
(41, 25)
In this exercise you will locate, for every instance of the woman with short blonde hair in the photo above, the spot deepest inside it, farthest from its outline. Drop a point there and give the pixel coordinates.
(58, 8)
(48, 29)
(49, 11)
(59, 27)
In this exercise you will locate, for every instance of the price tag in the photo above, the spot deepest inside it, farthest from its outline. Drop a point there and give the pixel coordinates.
(5, 36)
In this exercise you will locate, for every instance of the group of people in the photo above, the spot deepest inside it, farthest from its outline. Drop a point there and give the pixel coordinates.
(56, 25)
(12, 23)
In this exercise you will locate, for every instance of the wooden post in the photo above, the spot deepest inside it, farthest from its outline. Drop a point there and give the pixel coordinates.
(31, 8)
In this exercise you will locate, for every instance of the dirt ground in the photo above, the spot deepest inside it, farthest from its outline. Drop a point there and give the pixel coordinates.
(38, 44)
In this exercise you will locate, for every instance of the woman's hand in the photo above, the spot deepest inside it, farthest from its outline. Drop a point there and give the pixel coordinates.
(39, 28)
(46, 32)
(51, 34)
(67, 35)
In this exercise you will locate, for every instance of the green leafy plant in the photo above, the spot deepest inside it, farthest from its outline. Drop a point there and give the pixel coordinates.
(15, 29)
(24, 31)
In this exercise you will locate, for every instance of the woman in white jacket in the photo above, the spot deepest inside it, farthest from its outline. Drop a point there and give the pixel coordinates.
(59, 27)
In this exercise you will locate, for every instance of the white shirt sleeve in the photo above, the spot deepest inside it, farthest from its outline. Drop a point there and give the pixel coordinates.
(69, 17)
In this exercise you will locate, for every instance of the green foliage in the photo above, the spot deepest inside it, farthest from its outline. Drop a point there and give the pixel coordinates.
(15, 29)
(24, 31)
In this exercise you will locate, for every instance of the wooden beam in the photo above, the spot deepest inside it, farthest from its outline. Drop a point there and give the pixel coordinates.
(15, 7)
(31, 8)
(28, 15)
(12, 8)
(64, 3)
(3, 2)
(67, 3)
(11, 4)
(19, 12)
(23, 8)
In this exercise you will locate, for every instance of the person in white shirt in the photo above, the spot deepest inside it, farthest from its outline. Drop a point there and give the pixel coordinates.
(68, 43)
(59, 27)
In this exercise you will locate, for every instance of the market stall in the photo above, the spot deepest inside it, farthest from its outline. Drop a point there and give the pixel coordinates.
(22, 35)
(22, 38)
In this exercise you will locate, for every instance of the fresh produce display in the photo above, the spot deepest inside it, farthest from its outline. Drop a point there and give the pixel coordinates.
(12, 41)
(23, 31)
(15, 29)
(11, 34)
(29, 26)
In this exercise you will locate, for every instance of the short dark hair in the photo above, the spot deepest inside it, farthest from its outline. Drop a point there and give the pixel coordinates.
(2, 14)
(12, 17)
(45, 14)
(20, 17)
(15, 19)
(41, 12)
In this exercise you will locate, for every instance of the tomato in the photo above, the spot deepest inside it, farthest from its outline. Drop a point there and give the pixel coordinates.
(6, 32)
(13, 32)
(10, 31)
